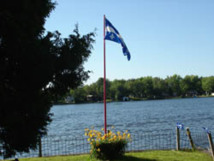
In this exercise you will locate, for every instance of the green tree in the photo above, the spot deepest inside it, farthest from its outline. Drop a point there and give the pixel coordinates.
(191, 85)
(79, 94)
(96, 89)
(148, 86)
(35, 69)
(159, 88)
(136, 87)
(91, 90)
(100, 90)
(118, 89)
(173, 83)
(208, 84)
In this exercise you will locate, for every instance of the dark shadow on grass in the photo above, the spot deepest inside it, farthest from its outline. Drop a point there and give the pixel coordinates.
(131, 158)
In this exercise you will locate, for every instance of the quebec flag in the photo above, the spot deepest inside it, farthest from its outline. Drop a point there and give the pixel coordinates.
(112, 34)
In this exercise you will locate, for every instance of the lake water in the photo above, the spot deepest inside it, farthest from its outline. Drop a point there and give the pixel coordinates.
(137, 117)
(151, 124)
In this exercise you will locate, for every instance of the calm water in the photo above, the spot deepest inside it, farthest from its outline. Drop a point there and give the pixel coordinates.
(143, 117)
(137, 117)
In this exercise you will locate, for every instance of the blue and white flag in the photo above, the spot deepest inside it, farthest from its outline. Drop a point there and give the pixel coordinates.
(180, 126)
(206, 130)
(112, 34)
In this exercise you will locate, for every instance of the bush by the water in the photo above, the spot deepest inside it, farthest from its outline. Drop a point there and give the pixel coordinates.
(107, 146)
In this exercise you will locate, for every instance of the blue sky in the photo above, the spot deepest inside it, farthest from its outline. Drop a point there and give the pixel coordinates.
(164, 37)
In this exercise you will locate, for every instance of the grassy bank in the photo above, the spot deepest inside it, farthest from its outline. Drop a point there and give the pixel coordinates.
(139, 156)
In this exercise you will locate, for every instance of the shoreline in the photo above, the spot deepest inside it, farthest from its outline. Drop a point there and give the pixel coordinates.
(134, 100)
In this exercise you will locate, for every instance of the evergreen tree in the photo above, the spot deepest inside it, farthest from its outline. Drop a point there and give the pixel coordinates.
(35, 69)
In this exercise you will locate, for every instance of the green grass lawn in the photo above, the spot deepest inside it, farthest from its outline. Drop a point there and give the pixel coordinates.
(138, 156)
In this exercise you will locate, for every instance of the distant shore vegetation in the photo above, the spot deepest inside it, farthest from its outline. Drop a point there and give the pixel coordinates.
(144, 88)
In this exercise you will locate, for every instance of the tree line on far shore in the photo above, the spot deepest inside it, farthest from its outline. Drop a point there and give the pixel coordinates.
(143, 88)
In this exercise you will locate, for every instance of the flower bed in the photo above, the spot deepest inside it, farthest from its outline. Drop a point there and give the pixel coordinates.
(107, 146)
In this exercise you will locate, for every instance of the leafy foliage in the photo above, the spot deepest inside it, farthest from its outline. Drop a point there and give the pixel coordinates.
(148, 88)
(191, 84)
(36, 68)
(208, 84)
(173, 84)
(107, 146)
(110, 151)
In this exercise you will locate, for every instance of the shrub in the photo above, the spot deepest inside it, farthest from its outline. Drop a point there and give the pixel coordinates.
(107, 146)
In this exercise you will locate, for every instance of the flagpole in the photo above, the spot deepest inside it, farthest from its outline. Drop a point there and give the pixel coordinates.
(104, 79)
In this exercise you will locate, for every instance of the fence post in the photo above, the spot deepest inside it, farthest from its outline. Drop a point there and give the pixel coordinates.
(40, 146)
(211, 144)
(177, 139)
(190, 138)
